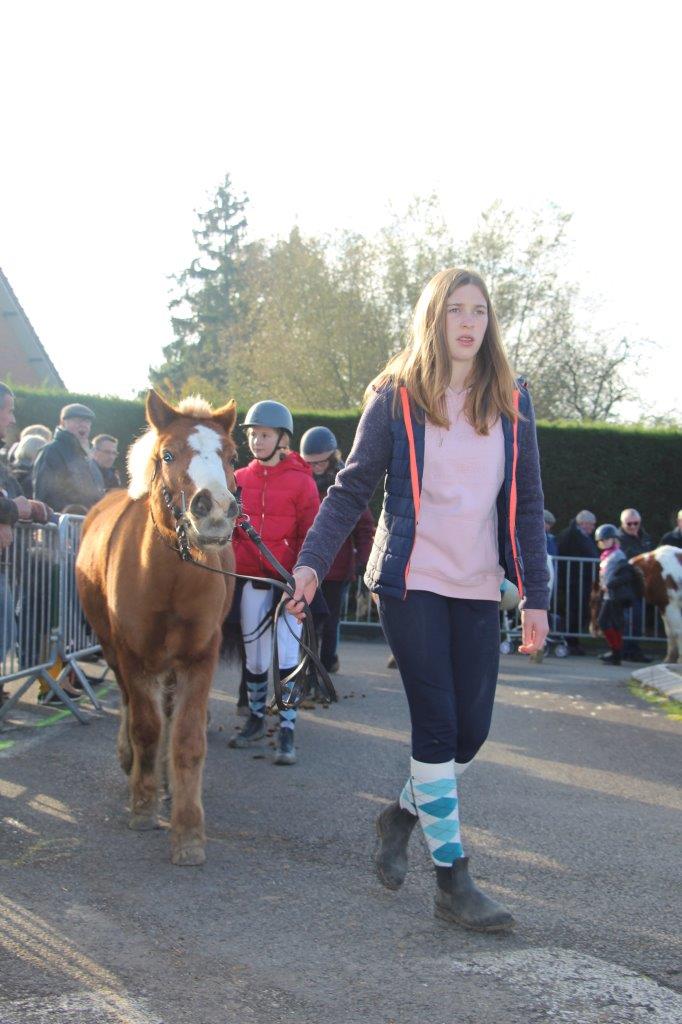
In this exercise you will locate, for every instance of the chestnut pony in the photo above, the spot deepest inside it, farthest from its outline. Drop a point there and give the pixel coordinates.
(157, 617)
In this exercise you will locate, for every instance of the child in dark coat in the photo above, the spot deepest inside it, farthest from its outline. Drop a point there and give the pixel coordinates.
(617, 588)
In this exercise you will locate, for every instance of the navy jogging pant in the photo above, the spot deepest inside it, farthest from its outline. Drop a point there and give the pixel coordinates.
(448, 652)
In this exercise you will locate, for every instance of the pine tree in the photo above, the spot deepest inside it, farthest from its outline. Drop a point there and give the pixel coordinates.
(210, 298)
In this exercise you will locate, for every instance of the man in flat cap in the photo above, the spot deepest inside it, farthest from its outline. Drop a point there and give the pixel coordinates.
(63, 473)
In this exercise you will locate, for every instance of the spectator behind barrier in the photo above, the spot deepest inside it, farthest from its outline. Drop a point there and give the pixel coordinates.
(35, 428)
(674, 537)
(634, 540)
(64, 474)
(576, 541)
(22, 459)
(550, 520)
(13, 507)
(104, 453)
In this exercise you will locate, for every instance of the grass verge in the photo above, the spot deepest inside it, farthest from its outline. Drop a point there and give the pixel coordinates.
(672, 708)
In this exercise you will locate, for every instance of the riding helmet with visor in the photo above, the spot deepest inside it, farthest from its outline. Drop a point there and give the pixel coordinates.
(607, 531)
(318, 441)
(273, 415)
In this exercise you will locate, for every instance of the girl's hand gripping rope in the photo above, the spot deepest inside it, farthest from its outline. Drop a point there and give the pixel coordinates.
(305, 585)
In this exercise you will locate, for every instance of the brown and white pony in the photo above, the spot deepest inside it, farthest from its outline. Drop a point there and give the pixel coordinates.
(661, 574)
(159, 618)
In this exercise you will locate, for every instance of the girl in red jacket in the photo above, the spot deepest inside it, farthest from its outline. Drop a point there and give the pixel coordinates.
(280, 497)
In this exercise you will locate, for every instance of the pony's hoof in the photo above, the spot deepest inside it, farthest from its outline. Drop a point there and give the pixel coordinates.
(189, 855)
(143, 822)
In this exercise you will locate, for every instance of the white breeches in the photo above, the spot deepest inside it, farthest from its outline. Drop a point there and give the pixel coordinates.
(254, 607)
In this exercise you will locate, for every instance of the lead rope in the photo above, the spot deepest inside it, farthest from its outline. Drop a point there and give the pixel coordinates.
(290, 691)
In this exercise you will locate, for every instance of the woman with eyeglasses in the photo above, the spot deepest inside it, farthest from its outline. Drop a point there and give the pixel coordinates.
(453, 433)
(320, 451)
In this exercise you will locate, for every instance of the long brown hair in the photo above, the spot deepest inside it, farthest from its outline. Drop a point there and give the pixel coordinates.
(424, 367)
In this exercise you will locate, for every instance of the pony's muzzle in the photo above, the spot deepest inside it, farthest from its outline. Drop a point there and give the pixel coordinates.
(213, 521)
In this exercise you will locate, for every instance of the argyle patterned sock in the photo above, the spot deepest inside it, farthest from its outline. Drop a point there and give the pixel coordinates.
(431, 793)
(257, 689)
(287, 719)
(405, 799)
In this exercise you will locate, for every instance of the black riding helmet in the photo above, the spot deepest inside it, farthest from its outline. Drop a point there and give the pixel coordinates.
(607, 531)
(270, 414)
(318, 441)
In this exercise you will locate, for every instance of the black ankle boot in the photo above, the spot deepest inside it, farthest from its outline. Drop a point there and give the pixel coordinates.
(459, 900)
(253, 730)
(394, 828)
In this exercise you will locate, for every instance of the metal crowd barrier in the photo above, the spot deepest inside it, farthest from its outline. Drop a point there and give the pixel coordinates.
(569, 609)
(43, 632)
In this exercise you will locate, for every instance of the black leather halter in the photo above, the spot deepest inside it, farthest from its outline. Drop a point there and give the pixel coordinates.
(290, 691)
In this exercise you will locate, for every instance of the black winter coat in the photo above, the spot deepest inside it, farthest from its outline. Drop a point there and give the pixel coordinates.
(637, 545)
(64, 474)
(674, 538)
(9, 488)
(573, 543)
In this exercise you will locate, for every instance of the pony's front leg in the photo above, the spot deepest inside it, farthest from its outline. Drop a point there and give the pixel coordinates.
(186, 756)
(186, 762)
(144, 728)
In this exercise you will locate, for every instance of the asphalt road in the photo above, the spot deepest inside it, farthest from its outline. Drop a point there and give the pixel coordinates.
(571, 816)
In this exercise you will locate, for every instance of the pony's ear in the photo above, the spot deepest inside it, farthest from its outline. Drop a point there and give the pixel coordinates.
(159, 412)
(226, 416)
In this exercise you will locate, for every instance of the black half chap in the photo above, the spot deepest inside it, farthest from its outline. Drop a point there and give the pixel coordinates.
(448, 652)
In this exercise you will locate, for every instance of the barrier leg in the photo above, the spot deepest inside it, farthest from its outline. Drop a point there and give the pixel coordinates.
(67, 701)
(85, 683)
(17, 695)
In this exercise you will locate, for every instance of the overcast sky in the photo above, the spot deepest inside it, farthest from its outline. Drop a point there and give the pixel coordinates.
(118, 120)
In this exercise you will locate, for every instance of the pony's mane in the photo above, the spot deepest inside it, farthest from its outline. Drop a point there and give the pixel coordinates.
(195, 405)
(140, 465)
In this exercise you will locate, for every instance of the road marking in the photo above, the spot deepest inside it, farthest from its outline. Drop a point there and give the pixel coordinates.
(383, 800)
(571, 988)
(75, 1008)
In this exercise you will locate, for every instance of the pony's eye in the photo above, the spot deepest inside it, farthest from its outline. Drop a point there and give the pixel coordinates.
(168, 456)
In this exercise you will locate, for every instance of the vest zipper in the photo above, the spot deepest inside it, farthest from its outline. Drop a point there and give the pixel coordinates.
(513, 497)
(414, 474)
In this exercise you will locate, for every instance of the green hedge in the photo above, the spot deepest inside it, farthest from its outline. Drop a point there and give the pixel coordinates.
(601, 467)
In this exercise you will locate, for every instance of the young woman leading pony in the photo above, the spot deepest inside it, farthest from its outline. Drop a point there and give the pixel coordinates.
(454, 433)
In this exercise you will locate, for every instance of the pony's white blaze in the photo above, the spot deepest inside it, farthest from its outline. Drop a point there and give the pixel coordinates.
(206, 469)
